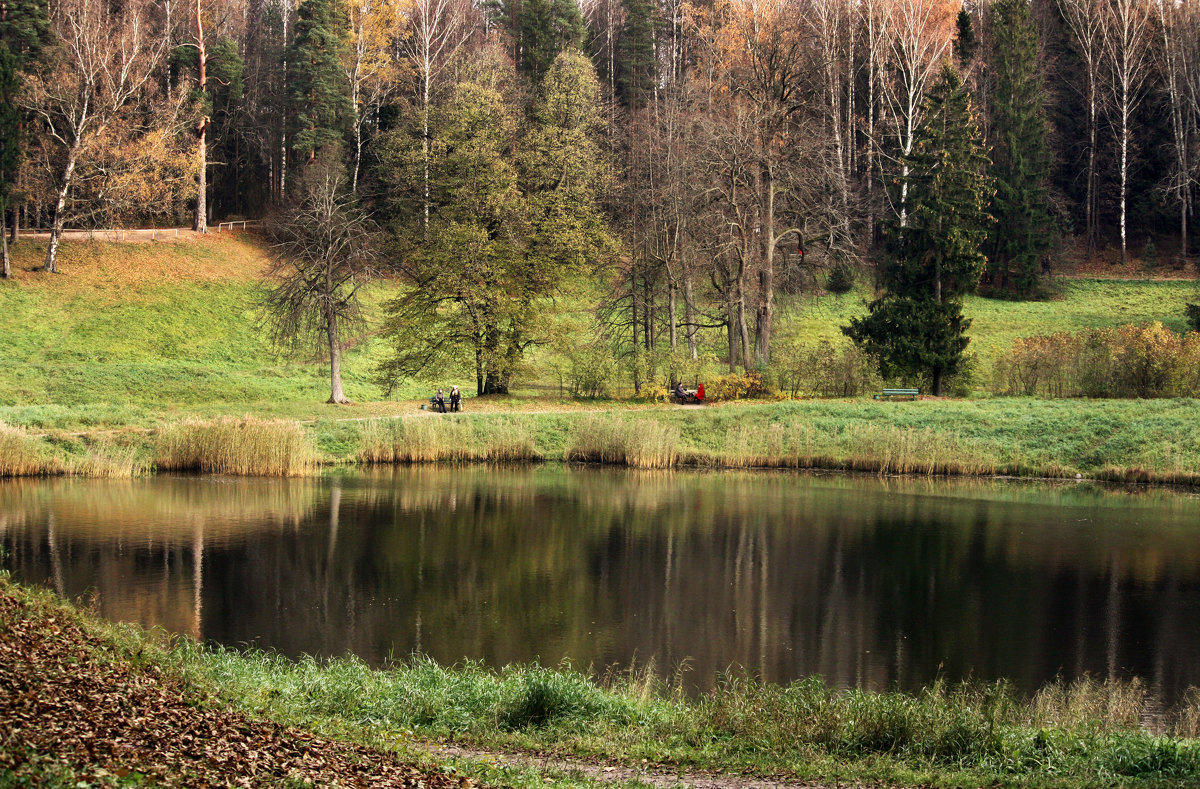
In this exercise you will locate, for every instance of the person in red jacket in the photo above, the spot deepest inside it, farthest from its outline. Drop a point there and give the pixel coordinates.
(700, 393)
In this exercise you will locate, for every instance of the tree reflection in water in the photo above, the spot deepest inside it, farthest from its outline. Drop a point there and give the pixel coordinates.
(870, 582)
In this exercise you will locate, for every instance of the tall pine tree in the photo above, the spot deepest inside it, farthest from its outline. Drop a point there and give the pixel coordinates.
(1021, 237)
(23, 29)
(545, 28)
(917, 329)
(317, 84)
(637, 66)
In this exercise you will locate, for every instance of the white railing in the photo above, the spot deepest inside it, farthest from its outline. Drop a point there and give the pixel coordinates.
(245, 223)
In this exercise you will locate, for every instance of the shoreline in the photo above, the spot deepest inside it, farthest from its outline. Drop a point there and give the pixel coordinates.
(1113, 441)
(467, 724)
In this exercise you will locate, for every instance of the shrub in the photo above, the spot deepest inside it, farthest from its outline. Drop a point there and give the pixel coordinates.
(737, 386)
(825, 370)
(840, 279)
(1128, 361)
(1193, 316)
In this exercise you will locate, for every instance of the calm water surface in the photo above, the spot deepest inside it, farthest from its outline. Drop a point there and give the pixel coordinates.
(870, 582)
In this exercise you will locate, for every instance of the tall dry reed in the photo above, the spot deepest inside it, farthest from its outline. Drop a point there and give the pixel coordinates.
(1109, 704)
(107, 457)
(639, 443)
(431, 439)
(23, 455)
(246, 446)
(884, 449)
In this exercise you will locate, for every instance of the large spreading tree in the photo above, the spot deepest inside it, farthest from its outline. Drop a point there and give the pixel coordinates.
(511, 215)
(916, 328)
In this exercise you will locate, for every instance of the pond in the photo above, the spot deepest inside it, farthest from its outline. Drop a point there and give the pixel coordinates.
(870, 582)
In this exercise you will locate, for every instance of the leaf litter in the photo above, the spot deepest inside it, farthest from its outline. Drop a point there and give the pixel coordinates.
(65, 696)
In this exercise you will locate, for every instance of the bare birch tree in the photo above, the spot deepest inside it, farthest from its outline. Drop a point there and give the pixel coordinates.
(371, 66)
(1084, 19)
(104, 59)
(1125, 33)
(1179, 60)
(921, 35)
(437, 31)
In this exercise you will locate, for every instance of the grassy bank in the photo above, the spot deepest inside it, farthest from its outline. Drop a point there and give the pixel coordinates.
(139, 335)
(1114, 440)
(1084, 734)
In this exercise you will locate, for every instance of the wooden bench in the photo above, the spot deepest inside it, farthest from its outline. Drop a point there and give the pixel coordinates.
(891, 394)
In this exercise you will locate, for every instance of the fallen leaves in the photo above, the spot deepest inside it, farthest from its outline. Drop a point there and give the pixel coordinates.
(61, 695)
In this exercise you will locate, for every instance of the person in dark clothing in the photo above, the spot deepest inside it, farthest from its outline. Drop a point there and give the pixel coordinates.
(680, 395)
(439, 402)
(455, 398)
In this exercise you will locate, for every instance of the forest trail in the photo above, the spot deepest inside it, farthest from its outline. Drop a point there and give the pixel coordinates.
(653, 775)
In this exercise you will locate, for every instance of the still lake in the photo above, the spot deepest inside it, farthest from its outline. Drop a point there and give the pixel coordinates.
(870, 582)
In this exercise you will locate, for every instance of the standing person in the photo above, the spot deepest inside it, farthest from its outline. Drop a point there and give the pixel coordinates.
(455, 398)
(439, 402)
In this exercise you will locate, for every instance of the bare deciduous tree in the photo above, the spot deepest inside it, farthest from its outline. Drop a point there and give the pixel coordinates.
(437, 30)
(1125, 33)
(920, 42)
(1084, 21)
(1179, 60)
(324, 252)
(371, 67)
(105, 57)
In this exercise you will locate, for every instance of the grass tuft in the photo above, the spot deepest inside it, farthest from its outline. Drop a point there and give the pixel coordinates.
(247, 446)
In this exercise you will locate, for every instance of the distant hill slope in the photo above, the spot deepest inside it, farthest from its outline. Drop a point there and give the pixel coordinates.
(128, 330)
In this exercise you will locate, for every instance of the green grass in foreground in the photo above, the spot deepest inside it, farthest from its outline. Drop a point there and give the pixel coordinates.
(1083, 734)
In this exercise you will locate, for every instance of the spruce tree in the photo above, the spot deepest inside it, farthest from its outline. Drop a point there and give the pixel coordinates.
(545, 28)
(916, 328)
(1021, 236)
(637, 64)
(23, 31)
(964, 40)
(317, 84)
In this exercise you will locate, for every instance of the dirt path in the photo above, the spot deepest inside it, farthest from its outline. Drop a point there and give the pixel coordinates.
(651, 775)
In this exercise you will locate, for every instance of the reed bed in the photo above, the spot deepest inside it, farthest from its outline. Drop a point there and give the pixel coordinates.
(429, 439)
(639, 443)
(107, 457)
(883, 449)
(23, 455)
(245, 447)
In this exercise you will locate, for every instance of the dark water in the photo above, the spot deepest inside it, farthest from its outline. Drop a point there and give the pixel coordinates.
(869, 582)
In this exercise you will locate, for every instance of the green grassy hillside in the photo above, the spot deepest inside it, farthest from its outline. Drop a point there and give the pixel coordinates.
(129, 332)
(139, 333)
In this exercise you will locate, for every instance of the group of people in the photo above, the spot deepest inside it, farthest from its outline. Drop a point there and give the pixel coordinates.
(439, 400)
(682, 395)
